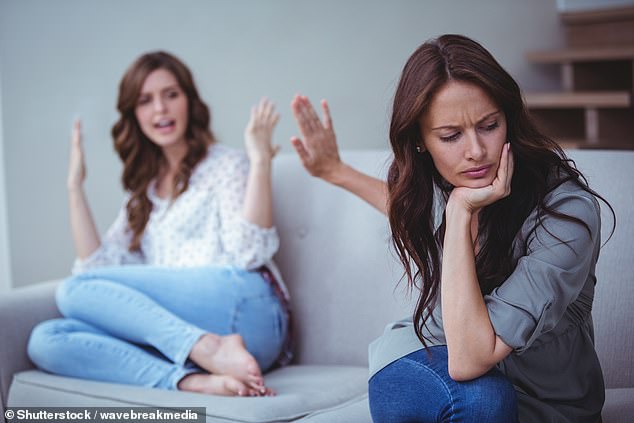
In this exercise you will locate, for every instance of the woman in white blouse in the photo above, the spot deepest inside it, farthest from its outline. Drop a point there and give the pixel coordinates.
(181, 292)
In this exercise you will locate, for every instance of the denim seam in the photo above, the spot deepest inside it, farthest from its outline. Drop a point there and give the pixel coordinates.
(233, 322)
(435, 375)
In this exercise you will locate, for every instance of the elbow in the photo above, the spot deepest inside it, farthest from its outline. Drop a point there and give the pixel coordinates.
(471, 363)
(464, 371)
(461, 374)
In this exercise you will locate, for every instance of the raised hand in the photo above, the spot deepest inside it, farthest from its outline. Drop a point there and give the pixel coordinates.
(318, 149)
(85, 235)
(474, 199)
(76, 164)
(258, 134)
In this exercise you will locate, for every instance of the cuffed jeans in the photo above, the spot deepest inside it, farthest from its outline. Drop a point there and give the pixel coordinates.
(418, 388)
(137, 324)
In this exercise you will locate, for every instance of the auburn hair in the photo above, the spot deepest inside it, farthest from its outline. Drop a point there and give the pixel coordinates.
(142, 159)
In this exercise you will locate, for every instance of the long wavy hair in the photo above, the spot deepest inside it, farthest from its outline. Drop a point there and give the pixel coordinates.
(142, 159)
(413, 180)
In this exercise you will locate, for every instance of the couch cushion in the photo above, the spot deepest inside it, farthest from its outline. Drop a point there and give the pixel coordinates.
(302, 390)
(613, 310)
(619, 405)
(355, 411)
(335, 257)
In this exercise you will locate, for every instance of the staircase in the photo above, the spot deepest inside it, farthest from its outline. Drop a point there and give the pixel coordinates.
(595, 107)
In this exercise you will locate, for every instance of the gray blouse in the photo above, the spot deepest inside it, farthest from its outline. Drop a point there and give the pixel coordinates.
(543, 310)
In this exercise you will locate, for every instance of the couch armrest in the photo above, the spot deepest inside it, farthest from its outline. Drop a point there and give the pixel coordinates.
(20, 310)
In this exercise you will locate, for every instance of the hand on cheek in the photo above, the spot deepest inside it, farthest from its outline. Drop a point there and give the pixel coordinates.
(473, 199)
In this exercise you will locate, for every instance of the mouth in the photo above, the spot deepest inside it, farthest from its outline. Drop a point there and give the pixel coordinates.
(165, 124)
(477, 172)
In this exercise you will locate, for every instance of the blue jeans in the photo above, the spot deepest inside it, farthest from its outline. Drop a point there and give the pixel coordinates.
(418, 388)
(137, 324)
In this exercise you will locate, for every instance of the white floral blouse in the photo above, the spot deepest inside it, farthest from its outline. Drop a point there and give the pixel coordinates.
(203, 226)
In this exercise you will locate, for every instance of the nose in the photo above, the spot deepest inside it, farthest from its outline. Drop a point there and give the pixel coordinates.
(159, 104)
(475, 149)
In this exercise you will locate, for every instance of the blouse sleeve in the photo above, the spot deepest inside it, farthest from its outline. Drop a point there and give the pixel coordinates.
(551, 274)
(113, 249)
(248, 245)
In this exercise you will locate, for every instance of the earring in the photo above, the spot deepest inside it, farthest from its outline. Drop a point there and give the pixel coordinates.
(419, 149)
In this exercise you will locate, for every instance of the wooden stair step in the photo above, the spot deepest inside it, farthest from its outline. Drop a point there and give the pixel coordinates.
(605, 26)
(600, 15)
(582, 54)
(587, 99)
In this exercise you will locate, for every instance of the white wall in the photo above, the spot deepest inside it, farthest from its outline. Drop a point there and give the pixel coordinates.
(65, 57)
(5, 262)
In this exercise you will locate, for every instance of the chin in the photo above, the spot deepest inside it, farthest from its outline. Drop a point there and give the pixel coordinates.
(162, 142)
(166, 141)
(477, 183)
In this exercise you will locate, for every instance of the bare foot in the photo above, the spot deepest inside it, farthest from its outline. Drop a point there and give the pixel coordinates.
(227, 355)
(214, 385)
(221, 385)
(269, 392)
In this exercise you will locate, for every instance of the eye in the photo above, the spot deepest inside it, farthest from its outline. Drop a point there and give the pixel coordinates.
(172, 94)
(450, 138)
(491, 126)
(144, 99)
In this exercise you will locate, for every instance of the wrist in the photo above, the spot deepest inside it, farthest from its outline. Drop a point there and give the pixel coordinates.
(336, 175)
(457, 210)
(260, 163)
(75, 189)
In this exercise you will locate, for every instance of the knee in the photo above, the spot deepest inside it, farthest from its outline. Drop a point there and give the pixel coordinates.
(395, 392)
(43, 340)
(65, 295)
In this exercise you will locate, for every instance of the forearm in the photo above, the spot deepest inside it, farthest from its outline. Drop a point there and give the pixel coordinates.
(371, 190)
(84, 231)
(258, 198)
(471, 340)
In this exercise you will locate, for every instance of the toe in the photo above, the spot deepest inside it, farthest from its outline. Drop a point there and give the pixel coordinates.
(254, 370)
(236, 387)
(255, 380)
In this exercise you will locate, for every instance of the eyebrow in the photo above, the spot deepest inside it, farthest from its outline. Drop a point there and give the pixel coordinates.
(454, 126)
(170, 87)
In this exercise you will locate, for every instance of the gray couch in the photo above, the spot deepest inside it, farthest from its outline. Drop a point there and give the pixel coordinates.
(336, 259)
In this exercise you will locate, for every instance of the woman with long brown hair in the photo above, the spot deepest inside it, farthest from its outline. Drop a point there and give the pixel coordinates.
(499, 235)
(181, 293)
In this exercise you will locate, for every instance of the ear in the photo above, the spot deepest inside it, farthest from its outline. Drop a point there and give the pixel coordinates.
(420, 148)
